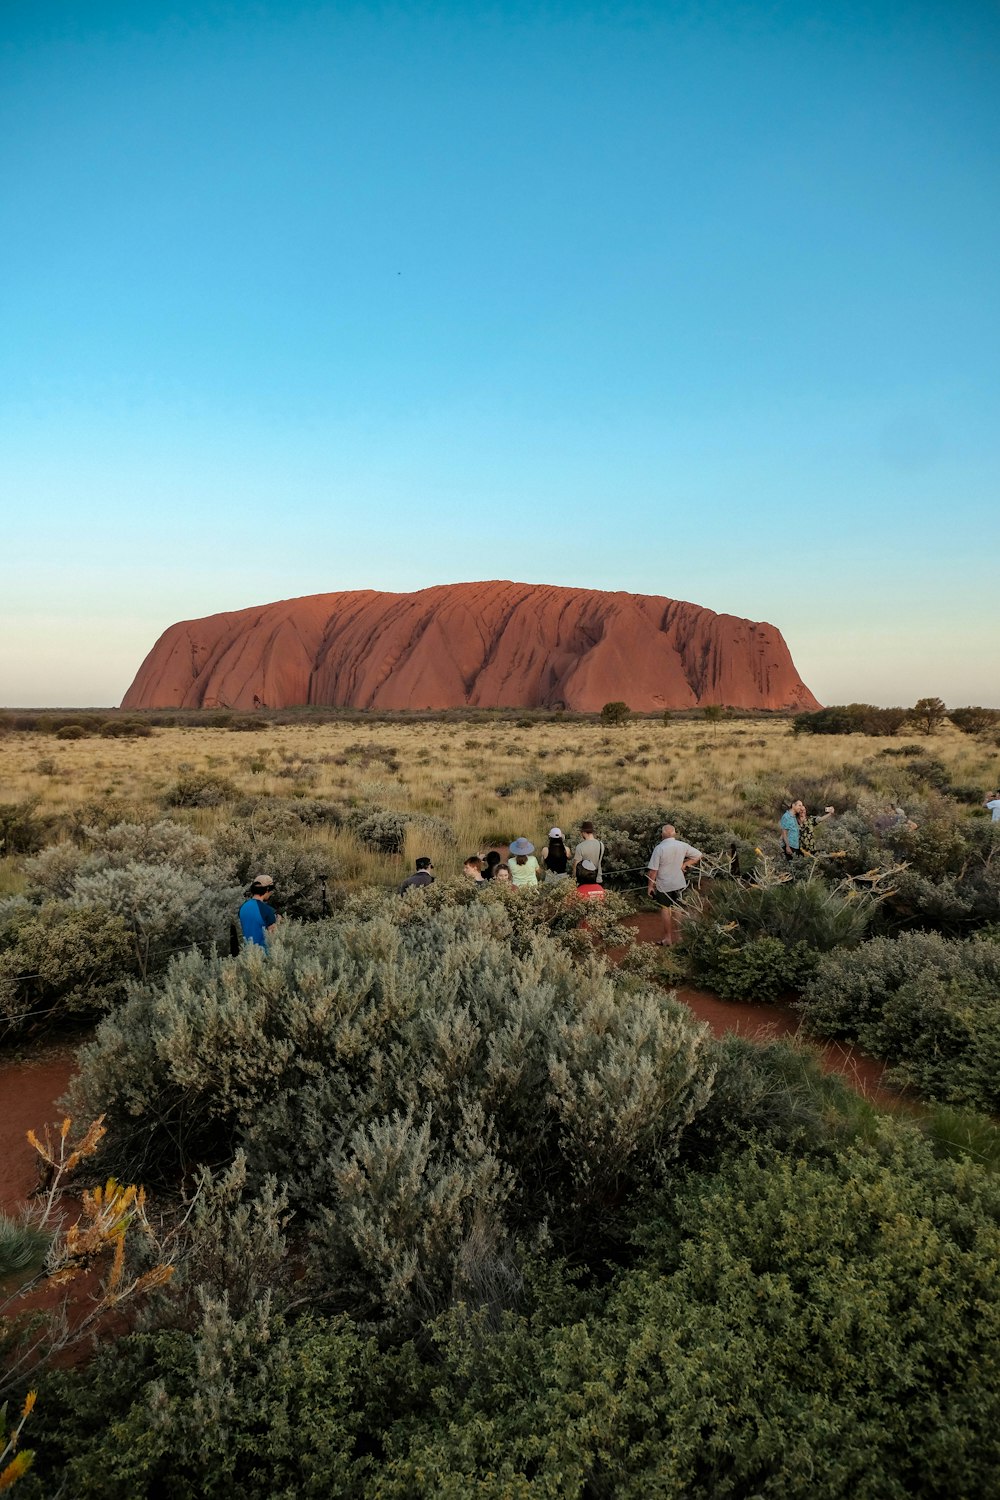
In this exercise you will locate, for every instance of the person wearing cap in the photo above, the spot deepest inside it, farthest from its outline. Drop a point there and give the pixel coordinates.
(556, 857)
(257, 916)
(522, 863)
(421, 874)
(587, 887)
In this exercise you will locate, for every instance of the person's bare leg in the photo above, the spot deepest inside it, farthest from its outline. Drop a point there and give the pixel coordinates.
(665, 941)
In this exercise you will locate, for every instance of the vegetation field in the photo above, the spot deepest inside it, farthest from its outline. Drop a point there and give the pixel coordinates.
(446, 1194)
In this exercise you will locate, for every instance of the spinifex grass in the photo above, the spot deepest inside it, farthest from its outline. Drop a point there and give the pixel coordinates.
(486, 781)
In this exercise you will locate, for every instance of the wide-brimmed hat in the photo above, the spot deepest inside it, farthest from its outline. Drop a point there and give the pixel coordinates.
(522, 846)
(555, 833)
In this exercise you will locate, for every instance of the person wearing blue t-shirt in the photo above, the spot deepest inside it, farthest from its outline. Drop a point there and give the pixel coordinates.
(789, 826)
(257, 916)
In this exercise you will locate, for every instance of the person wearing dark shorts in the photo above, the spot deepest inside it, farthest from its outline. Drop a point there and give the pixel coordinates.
(667, 878)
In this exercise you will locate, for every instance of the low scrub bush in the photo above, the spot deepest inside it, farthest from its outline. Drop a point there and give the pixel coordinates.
(125, 729)
(758, 969)
(757, 942)
(927, 1004)
(851, 718)
(200, 789)
(945, 867)
(300, 870)
(565, 783)
(788, 1328)
(406, 1079)
(23, 830)
(631, 833)
(60, 958)
(378, 829)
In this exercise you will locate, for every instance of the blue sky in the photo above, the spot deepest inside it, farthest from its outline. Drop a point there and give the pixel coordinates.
(695, 299)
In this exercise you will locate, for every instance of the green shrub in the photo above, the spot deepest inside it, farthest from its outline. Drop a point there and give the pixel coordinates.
(631, 833)
(616, 713)
(378, 829)
(72, 732)
(851, 718)
(22, 830)
(927, 1004)
(125, 729)
(300, 870)
(57, 959)
(787, 1328)
(404, 1079)
(565, 783)
(804, 911)
(757, 942)
(793, 1330)
(759, 969)
(164, 907)
(200, 789)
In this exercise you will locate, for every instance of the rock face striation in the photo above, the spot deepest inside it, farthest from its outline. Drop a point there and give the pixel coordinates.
(491, 645)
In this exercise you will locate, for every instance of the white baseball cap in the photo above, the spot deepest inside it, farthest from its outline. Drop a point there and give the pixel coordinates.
(555, 833)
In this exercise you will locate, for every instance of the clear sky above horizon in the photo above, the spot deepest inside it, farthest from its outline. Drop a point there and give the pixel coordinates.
(694, 299)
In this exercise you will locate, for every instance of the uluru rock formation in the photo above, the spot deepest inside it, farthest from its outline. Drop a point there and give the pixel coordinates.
(491, 645)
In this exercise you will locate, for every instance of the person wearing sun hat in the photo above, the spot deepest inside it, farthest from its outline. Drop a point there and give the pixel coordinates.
(556, 857)
(258, 917)
(522, 863)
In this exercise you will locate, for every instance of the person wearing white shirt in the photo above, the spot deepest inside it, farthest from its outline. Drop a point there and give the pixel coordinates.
(992, 806)
(667, 878)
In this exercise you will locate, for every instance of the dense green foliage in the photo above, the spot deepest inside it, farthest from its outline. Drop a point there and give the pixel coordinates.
(851, 718)
(930, 1005)
(449, 1073)
(786, 1327)
(756, 942)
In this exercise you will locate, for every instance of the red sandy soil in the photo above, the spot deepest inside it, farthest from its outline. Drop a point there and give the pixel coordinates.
(767, 1022)
(28, 1093)
(488, 645)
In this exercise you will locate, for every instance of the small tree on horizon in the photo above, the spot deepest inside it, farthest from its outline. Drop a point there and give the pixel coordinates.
(928, 714)
(616, 713)
(974, 719)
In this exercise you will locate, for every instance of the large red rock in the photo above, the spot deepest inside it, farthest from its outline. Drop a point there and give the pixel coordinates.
(489, 644)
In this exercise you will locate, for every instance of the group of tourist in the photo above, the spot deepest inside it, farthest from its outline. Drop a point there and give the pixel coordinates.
(584, 867)
(524, 867)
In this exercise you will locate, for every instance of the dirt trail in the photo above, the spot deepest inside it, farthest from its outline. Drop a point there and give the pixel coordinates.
(766, 1022)
(29, 1089)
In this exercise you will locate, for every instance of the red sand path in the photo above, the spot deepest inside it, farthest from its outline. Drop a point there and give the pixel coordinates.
(766, 1022)
(28, 1093)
